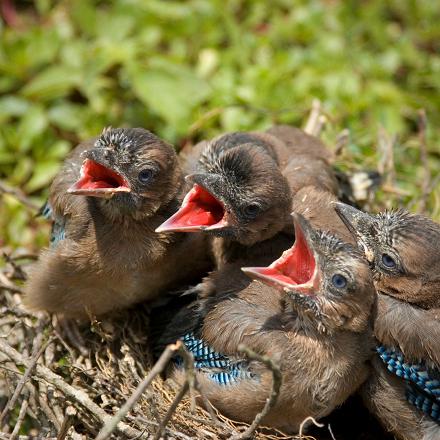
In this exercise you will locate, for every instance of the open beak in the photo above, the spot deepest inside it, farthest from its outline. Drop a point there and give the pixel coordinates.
(200, 211)
(296, 269)
(96, 180)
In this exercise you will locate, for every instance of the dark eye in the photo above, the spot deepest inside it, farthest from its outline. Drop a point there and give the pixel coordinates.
(339, 281)
(145, 175)
(388, 261)
(252, 210)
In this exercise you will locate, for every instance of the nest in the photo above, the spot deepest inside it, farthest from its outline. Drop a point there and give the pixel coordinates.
(61, 380)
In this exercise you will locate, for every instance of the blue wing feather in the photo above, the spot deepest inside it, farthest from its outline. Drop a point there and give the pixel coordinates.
(423, 384)
(218, 367)
(58, 232)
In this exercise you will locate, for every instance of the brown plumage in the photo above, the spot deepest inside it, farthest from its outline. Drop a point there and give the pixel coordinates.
(318, 207)
(316, 331)
(404, 252)
(243, 186)
(110, 195)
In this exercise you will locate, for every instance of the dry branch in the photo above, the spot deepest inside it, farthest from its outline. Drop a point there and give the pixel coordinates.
(158, 368)
(20, 418)
(77, 396)
(19, 195)
(342, 141)
(316, 120)
(271, 400)
(38, 350)
(426, 182)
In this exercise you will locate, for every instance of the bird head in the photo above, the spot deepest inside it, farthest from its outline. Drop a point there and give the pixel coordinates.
(238, 192)
(403, 250)
(130, 171)
(326, 280)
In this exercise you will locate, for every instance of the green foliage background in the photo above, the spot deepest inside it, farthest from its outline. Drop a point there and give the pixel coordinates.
(190, 69)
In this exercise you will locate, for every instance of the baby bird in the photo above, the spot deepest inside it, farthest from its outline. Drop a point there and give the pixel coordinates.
(107, 200)
(404, 252)
(309, 311)
(243, 185)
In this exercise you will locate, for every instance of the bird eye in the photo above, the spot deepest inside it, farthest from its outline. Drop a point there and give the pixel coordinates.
(339, 281)
(388, 261)
(146, 175)
(252, 209)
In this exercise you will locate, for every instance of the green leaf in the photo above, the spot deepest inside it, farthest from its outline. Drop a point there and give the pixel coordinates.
(170, 90)
(32, 125)
(42, 176)
(12, 106)
(53, 82)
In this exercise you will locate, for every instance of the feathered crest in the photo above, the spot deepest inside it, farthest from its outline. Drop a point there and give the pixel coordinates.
(113, 138)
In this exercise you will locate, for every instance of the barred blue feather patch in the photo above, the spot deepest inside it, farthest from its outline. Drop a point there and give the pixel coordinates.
(58, 232)
(217, 366)
(423, 384)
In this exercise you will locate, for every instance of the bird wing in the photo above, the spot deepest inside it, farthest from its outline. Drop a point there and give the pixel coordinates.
(58, 231)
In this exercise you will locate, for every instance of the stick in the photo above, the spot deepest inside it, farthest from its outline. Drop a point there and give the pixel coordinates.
(190, 373)
(189, 384)
(271, 400)
(20, 418)
(342, 141)
(426, 182)
(177, 434)
(314, 124)
(4, 436)
(171, 409)
(67, 422)
(386, 144)
(38, 350)
(19, 195)
(158, 367)
(303, 424)
(76, 395)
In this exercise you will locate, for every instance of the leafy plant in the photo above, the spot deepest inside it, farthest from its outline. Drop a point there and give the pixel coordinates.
(191, 69)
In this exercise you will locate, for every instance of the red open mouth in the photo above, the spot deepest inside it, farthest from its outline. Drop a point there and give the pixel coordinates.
(98, 180)
(296, 268)
(200, 210)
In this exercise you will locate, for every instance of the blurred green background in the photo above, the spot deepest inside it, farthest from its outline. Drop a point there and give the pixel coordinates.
(190, 69)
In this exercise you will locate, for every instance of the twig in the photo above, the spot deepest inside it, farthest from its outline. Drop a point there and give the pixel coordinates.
(189, 384)
(20, 418)
(197, 125)
(4, 436)
(177, 434)
(385, 146)
(171, 409)
(190, 373)
(342, 141)
(304, 422)
(6, 283)
(316, 120)
(76, 395)
(426, 182)
(271, 400)
(331, 432)
(38, 350)
(47, 408)
(19, 195)
(159, 366)
(67, 422)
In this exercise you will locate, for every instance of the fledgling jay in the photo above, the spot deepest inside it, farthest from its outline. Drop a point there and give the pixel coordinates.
(309, 311)
(243, 185)
(404, 252)
(106, 202)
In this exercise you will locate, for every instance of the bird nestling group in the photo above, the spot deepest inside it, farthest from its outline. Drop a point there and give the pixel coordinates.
(251, 227)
